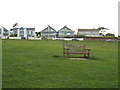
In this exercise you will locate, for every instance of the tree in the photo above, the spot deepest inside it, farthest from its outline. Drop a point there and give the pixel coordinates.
(38, 33)
(110, 34)
(103, 29)
(16, 24)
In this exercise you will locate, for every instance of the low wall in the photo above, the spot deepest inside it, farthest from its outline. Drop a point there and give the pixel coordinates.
(98, 39)
(4, 37)
(14, 37)
(67, 39)
(37, 38)
(33, 38)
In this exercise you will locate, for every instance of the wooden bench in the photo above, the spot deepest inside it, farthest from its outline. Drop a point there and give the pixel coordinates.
(75, 49)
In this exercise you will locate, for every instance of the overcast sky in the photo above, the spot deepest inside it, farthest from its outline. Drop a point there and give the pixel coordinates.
(82, 14)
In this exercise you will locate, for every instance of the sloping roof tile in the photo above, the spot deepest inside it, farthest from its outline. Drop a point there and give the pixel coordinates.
(49, 28)
(65, 27)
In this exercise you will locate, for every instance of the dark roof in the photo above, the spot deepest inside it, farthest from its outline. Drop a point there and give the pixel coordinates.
(65, 27)
(88, 30)
(30, 28)
(23, 28)
(15, 28)
(49, 27)
(5, 29)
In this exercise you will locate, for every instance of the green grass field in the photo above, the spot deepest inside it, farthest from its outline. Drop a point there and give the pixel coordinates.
(40, 64)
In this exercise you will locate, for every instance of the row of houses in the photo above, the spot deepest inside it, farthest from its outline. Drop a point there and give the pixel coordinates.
(48, 32)
(17, 32)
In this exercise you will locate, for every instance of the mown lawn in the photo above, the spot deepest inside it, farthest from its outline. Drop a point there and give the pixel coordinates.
(40, 64)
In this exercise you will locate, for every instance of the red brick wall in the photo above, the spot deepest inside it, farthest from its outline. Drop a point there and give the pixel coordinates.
(98, 39)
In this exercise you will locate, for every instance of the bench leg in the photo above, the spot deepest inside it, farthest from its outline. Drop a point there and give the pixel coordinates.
(63, 54)
(84, 55)
(88, 54)
(67, 55)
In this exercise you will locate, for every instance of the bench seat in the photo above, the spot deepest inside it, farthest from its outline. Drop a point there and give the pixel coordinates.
(75, 49)
(75, 53)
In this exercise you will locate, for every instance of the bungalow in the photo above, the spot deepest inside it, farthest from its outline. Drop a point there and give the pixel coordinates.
(88, 32)
(4, 33)
(65, 32)
(48, 33)
(23, 32)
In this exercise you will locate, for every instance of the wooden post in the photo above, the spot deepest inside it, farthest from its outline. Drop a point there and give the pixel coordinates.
(63, 49)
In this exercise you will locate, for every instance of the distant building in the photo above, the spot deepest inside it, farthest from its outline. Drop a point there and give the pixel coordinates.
(23, 32)
(88, 32)
(48, 33)
(65, 32)
(4, 32)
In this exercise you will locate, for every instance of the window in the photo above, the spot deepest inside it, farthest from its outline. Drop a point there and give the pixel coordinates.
(5, 30)
(30, 35)
(5, 34)
(27, 32)
(81, 32)
(68, 33)
(15, 31)
(61, 33)
(31, 32)
(21, 32)
(22, 35)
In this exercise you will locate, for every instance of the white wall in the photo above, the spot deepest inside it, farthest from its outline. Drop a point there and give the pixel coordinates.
(14, 37)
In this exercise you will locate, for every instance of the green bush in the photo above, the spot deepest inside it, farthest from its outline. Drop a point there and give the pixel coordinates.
(37, 36)
(110, 37)
(79, 36)
(13, 35)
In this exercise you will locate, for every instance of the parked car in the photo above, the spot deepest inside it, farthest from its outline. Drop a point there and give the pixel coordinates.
(110, 40)
(75, 39)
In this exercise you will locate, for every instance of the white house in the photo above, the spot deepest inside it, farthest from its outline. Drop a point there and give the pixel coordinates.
(88, 32)
(23, 32)
(48, 33)
(4, 33)
(65, 32)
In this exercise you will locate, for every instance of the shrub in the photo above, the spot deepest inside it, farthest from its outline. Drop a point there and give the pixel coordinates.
(37, 36)
(13, 35)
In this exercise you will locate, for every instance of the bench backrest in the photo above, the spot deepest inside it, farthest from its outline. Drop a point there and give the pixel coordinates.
(73, 48)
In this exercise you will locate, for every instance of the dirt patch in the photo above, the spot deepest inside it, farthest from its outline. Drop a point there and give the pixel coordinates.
(78, 58)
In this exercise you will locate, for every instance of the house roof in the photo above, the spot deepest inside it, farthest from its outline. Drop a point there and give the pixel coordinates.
(88, 30)
(48, 29)
(23, 28)
(4, 28)
(65, 28)
(15, 28)
(30, 28)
